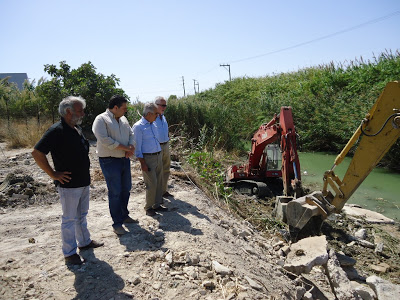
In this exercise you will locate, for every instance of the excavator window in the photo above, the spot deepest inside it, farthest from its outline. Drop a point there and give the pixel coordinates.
(274, 157)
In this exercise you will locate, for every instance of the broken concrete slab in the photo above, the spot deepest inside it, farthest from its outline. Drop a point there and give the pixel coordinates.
(364, 291)
(339, 282)
(320, 284)
(384, 290)
(370, 216)
(307, 253)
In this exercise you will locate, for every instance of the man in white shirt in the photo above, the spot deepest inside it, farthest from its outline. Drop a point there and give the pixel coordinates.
(115, 146)
(162, 128)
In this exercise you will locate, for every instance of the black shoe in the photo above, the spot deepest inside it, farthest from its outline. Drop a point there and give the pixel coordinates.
(92, 244)
(130, 220)
(166, 194)
(151, 212)
(119, 230)
(74, 259)
(161, 208)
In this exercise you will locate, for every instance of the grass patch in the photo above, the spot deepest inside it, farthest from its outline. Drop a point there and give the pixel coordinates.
(22, 134)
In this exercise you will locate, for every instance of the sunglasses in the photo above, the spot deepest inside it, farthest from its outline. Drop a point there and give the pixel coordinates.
(163, 105)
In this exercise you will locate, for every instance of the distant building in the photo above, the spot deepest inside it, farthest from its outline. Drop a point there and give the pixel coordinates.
(17, 78)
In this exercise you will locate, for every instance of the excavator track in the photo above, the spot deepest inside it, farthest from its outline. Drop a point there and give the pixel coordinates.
(251, 187)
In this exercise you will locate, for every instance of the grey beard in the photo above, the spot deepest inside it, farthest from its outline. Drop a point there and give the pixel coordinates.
(77, 121)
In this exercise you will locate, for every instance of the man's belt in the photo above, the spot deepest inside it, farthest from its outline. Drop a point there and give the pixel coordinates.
(155, 153)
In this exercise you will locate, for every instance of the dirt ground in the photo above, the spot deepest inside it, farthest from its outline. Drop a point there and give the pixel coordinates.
(196, 250)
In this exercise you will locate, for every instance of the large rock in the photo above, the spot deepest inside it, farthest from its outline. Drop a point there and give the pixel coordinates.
(364, 291)
(338, 279)
(384, 290)
(370, 216)
(307, 253)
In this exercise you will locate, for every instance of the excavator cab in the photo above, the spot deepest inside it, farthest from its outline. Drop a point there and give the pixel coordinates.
(273, 165)
(274, 157)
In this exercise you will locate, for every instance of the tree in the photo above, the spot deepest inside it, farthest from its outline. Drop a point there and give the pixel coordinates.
(9, 93)
(84, 81)
(51, 93)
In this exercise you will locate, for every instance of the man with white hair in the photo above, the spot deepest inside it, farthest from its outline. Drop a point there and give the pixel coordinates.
(163, 134)
(148, 152)
(70, 153)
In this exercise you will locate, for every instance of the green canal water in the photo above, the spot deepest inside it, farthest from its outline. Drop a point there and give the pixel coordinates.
(379, 192)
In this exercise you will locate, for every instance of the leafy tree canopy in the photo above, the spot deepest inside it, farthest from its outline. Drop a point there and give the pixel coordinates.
(84, 81)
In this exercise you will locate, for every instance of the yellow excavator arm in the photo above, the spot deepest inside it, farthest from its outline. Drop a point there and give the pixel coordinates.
(377, 133)
(379, 130)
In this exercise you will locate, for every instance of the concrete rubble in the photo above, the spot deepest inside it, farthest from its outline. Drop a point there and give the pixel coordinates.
(340, 283)
(307, 253)
(370, 216)
(384, 289)
(364, 291)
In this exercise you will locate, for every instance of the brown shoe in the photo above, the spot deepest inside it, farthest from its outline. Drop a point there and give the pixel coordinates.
(166, 194)
(151, 212)
(74, 259)
(130, 220)
(92, 244)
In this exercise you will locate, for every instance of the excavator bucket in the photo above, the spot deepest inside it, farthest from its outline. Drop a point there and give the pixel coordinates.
(304, 215)
(378, 131)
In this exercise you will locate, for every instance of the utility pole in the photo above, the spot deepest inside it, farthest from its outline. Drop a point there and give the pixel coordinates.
(194, 85)
(229, 69)
(197, 83)
(183, 84)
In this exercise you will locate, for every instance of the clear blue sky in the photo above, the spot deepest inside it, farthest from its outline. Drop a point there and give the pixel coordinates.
(150, 45)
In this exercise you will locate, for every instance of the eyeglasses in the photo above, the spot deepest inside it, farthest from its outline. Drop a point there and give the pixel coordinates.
(163, 105)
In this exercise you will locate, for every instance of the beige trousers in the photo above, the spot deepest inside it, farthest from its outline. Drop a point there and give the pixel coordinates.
(166, 163)
(153, 181)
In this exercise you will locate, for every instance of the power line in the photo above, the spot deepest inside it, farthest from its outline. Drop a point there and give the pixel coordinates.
(322, 37)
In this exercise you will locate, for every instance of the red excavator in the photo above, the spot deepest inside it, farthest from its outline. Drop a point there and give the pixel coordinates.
(272, 160)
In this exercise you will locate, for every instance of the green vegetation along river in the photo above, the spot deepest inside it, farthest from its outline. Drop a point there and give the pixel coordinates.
(379, 191)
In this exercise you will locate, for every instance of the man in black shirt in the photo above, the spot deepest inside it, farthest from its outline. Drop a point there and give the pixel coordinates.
(70, 153)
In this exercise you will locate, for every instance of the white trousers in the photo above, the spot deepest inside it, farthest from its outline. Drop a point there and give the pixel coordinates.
(75, 207)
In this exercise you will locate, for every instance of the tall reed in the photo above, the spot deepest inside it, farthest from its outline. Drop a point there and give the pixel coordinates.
(328, 103)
